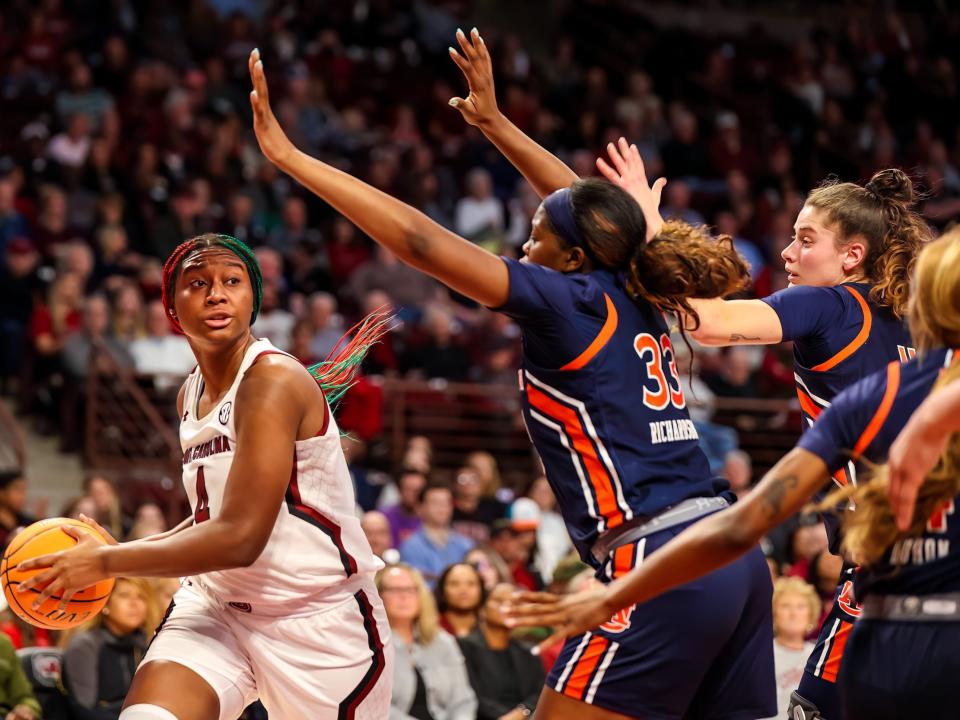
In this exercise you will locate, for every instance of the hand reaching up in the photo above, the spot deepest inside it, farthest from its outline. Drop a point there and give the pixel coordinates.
(480, 106)
(628, 172)
(274, 143)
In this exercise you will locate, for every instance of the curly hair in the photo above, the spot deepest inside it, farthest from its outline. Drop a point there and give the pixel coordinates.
(681, 262)
(880, 212)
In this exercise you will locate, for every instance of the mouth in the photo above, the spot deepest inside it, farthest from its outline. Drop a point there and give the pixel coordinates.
(217, 320)
(791, 276)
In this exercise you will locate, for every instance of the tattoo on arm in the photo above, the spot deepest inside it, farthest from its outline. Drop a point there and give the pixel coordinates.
(779, 489)
(737, 337)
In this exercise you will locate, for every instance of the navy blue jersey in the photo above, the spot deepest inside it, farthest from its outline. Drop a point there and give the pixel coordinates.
(602, 400)
(863, 421)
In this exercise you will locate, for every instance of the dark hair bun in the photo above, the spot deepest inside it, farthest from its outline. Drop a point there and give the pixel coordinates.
(892, 185)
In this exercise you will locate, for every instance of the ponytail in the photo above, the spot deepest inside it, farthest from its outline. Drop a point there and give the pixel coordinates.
(871, 529)
(881, 212)
(684, 262)
(681, 262)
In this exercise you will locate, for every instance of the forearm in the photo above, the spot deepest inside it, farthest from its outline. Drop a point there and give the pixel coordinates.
(938, 414)
(543, 170)
(206, 547)
(724, 536)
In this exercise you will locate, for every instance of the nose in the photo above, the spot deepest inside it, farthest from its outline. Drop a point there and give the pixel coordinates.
(526, 247)
(788, 253)
(216, 294)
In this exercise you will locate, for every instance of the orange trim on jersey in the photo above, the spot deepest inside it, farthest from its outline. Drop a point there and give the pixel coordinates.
(857, 342)
(808, 405)
(583, 670)
(832, 665)
(841, 477)
(623, 560)
(880, 416)
(597, 474)
(602, 338)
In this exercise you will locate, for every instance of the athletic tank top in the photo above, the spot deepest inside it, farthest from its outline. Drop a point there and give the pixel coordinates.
(316, 545)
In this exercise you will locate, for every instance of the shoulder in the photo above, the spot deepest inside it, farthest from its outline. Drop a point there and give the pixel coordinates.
(278, 377)
(799, 295)
(83, 642)
(446, 644)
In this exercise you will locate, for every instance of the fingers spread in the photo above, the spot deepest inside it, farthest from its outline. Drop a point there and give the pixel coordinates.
(47, 593)
(608, 172)
(44, 561)
(616, 158)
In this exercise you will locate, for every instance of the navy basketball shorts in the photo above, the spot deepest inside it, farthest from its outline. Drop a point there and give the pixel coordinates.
(703, 650)
(900, 671)
(818, 684)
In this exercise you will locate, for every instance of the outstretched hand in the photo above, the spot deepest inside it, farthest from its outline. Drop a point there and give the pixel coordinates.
(274, 143)
(912, 456)
(628, 172)
(568, 615)
(480, 106)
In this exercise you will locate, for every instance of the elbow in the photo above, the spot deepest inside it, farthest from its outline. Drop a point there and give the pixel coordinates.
(245, 547)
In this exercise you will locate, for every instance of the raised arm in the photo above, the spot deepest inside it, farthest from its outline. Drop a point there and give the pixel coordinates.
(705, 546)
(543, 170)
(409, 234)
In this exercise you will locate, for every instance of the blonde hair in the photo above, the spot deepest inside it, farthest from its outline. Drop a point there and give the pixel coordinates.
(427, 623)
(881, 212)
(150, 621)
(795, 586)
(934, 321)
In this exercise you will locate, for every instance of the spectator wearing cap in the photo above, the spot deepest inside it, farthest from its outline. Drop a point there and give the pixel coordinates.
(505, 676)
(13, 499)
(19, 284)
(524, 515)
(553, 540)
(435, 545)
(473, 514)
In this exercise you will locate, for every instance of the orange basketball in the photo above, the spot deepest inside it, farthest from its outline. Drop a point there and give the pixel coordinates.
(42, 538)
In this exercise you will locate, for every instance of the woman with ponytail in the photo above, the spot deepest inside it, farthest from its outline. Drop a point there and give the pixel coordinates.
(849, 268)
(602, 400)
(900, 660)
(279, 599)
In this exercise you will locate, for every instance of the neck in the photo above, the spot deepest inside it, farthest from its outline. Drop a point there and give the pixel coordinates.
(437, 533)
(404, 631)
(497, 637)
(791, 643)
(219, 365)
(462, 621)
(114, 628)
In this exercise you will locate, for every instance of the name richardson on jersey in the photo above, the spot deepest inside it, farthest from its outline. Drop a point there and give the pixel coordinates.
(663, 431)
(214, 446)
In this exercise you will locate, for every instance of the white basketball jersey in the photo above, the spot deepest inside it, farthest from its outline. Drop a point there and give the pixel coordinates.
(316, 545)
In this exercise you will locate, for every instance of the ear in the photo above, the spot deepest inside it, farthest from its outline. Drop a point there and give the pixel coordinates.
(855, 254)
(574, 260)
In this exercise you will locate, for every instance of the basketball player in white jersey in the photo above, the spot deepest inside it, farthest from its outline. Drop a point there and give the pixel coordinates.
(278, 600)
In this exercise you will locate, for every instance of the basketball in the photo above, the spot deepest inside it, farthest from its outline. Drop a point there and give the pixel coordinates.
(42, 538)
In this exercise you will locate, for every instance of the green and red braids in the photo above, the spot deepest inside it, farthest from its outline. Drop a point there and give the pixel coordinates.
(171, 268)
(338, 372)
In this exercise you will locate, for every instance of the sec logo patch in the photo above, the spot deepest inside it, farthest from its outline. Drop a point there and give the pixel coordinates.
(224, 416)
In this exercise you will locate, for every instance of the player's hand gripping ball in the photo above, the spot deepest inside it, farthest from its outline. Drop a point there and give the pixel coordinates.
(43, 538)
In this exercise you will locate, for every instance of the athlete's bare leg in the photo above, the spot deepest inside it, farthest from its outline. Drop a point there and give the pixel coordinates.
(554, 706)
(176, 688)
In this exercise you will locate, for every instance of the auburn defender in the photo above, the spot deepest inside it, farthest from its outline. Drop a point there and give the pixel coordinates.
(605, 411)
(900, 660)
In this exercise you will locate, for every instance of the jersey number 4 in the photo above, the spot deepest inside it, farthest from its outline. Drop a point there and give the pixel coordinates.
(657, 353)
(203, 504)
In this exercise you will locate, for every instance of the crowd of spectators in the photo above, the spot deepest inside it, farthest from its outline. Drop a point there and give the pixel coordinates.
(126, 130)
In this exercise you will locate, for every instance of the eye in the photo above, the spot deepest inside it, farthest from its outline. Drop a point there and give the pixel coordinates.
(233, 281)
(197, 283)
